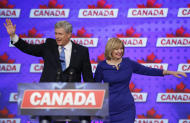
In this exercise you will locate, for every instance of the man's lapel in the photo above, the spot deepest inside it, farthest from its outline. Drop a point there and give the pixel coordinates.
(58, 65)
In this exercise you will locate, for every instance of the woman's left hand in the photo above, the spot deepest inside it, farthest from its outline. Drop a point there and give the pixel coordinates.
(175, 73)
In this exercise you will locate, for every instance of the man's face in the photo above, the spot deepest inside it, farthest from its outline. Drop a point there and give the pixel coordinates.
(61, 37)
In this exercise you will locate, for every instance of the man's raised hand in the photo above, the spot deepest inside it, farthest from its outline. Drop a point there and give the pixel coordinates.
(10, 27)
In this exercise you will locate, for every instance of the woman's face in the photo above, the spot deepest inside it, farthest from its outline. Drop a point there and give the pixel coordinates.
(117, 53)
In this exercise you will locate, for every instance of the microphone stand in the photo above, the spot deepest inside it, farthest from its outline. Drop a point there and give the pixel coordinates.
(58, 75)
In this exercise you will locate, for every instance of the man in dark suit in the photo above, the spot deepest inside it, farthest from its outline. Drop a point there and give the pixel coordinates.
(57, 67)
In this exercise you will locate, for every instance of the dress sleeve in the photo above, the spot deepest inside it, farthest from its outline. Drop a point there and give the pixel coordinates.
(98, 74)
(143, 70)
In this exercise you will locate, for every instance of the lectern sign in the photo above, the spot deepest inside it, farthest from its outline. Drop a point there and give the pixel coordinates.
(67, 98)
(63, 99)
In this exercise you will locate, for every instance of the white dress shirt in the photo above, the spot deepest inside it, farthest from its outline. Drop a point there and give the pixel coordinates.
(67, 49)
(15, 38)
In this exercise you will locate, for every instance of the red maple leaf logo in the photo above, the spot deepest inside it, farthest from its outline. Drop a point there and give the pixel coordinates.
(150, 59)
(32, 33)
(41, 61)
(129, 33)
(133, 89)
(93, 61)
(188, 5)
(82, 33)
(51, 5)
(188, 61)
(4, 4)
(4, 113)
(150, 4)
(4, 59)
(101, 4)
(180, 88)
(179, 33)
(101, 57)
(170, 90)
(151, 114)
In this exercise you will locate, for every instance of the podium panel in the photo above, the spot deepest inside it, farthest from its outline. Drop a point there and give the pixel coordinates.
(63, 99)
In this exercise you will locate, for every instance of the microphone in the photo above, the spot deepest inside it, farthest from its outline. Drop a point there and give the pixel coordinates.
(71, 74)
(58, 75)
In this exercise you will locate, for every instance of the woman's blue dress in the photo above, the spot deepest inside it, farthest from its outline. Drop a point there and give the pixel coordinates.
(121, 102)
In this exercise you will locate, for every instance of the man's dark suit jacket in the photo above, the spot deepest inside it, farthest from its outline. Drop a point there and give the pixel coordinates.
(49, 52)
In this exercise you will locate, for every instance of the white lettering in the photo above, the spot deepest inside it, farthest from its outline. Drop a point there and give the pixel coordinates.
(34, 98)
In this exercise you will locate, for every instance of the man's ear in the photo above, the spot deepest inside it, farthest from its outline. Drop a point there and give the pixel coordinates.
(69, 35)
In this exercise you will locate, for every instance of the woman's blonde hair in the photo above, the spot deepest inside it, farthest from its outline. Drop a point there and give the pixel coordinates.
(112, 44)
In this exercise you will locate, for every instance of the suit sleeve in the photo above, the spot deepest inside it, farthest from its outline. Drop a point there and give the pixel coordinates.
(98, 74)
(143, 70)
(86, 68)
(31, 49)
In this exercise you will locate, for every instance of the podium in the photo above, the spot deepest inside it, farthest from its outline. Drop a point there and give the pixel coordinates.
(63, 99)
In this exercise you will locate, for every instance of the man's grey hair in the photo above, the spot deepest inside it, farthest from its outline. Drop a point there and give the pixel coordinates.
(65, 25)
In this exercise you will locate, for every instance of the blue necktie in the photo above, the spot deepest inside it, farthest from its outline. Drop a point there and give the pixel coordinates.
(62, 59)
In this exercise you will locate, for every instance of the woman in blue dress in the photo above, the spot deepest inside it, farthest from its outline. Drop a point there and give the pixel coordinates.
(117, 71)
